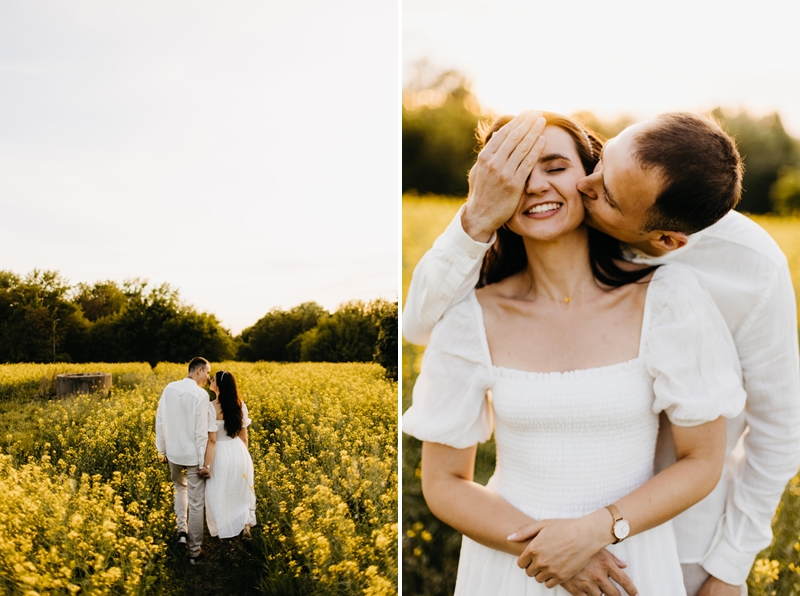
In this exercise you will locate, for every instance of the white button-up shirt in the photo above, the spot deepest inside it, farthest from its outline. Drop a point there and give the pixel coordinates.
(748, 278)
(185, 417)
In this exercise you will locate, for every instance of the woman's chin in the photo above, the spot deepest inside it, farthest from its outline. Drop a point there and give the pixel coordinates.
(547, 230)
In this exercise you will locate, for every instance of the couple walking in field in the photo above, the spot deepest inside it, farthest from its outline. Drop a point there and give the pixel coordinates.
(631, 343)
(205, 444)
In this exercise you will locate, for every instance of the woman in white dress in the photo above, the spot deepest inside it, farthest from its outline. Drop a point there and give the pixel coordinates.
(230, 498)
(569, 355)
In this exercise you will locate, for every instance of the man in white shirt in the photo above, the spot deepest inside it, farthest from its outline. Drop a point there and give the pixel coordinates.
(665, 188)
(184, 422)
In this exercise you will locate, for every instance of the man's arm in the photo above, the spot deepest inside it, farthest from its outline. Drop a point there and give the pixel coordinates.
(450, 269)
(202, 427)
(443, 277)
(768, 350)
(161, 444)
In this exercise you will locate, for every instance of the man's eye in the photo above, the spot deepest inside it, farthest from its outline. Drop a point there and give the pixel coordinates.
(550, 171)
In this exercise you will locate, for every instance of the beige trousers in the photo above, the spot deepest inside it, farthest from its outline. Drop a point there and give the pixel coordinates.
(190, 500)
(694, 576)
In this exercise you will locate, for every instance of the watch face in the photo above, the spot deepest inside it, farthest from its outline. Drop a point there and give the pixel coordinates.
(621, 529)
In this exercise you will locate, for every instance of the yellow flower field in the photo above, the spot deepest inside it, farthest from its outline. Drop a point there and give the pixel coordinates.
(430, 549)
(87, 507)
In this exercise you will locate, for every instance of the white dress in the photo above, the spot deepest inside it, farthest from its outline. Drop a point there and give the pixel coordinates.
(230, 497)
(569, 443)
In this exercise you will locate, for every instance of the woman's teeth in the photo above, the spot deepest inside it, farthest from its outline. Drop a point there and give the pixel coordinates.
(544, 207)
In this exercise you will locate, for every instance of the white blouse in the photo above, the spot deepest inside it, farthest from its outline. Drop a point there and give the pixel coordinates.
(685, 347)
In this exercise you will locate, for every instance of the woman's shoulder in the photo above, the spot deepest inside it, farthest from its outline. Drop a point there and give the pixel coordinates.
(217, 408)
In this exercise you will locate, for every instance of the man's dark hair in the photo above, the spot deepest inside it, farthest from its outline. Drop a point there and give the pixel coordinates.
(700, 169)
(197, 362)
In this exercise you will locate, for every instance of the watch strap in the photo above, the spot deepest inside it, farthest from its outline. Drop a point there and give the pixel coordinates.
(617, 516)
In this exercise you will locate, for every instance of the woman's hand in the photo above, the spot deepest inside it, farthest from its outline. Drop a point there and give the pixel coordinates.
(498, 177)
(562, 547)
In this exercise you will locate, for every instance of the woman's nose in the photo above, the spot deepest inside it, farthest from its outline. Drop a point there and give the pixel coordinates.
(537, 184)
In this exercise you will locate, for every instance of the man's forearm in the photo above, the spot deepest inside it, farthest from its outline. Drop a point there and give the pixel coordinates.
(443, 277)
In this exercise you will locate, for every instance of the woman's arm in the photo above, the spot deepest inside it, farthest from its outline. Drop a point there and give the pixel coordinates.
(243, 435)
(562, 547)
(466, 506)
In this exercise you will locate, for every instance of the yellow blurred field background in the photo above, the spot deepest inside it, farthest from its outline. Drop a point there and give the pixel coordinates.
(430, 548)
(87, 506)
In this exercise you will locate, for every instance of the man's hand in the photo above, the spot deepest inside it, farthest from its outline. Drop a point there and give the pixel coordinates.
(562, 547)
(717, 587)
(204, 473)
(596, 577)
(163, 459)
(497, 179)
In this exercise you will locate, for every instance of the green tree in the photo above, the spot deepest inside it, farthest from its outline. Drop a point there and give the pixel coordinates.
(386, 347)
(38, 323)
(272, 337)
(103, 299)
(765, 147)
(348, 335)
(785, 193)
(439, 117)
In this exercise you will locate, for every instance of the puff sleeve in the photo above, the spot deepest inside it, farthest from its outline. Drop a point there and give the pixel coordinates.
(689, 351)
(245, 416)
(449, 399)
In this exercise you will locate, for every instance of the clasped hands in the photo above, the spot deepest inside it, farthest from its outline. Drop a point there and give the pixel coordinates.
(571, 553)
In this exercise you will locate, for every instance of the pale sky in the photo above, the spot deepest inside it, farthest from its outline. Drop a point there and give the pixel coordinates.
(244, 152)
(616, 56)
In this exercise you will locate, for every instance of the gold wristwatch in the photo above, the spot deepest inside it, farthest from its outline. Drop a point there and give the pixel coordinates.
(620, 528)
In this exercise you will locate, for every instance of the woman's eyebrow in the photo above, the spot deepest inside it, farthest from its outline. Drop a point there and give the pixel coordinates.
(552, 157)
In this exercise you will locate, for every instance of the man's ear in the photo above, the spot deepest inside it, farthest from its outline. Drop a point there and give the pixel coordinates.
(667, 240)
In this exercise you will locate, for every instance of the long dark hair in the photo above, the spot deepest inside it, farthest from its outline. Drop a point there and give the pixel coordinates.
(507, 255)
(230, 402)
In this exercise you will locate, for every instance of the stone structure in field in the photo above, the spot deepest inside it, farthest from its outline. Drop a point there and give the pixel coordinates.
(71, 383)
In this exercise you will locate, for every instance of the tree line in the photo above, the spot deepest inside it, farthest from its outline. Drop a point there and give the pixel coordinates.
(43, 318)
(440, 114)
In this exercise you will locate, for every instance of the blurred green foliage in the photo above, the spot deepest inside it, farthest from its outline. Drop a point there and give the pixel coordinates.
(440, 114)
(785, 193)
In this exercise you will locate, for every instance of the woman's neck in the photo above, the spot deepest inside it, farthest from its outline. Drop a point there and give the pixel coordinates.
(559, 268)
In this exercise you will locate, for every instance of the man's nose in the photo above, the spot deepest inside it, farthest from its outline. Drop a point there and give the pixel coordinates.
(587, 185)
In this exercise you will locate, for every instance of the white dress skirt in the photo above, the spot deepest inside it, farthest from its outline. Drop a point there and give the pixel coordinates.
(570, 443)
(230, 496)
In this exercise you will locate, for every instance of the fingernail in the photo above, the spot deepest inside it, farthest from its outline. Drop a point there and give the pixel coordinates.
(541, 120)
(540, 141)
(512, 536)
